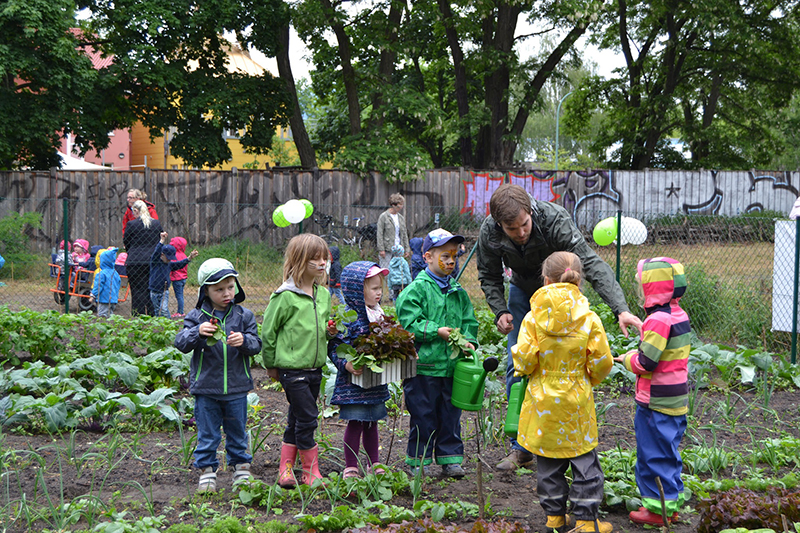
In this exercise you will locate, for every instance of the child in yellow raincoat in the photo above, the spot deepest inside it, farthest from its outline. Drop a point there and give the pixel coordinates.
(563, 350)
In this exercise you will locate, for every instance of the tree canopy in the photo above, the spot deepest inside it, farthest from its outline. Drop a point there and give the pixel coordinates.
(402, 85)
(49, 87)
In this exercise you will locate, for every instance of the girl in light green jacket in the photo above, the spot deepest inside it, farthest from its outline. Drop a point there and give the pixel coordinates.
(295, 349)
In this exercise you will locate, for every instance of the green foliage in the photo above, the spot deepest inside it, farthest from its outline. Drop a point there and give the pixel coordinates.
(458, 344)
(66, 337)
(740, 507)
(15, 231)
(386, 341)
(487, 330)
(172, 73)
(50, 87)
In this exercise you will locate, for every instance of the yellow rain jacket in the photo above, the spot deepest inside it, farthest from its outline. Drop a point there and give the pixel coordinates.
(563, 350)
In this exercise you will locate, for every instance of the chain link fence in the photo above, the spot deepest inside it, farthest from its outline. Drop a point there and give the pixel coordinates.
(732, 263)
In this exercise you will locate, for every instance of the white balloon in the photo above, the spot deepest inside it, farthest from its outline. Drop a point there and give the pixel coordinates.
(294, 211)
(633, 231)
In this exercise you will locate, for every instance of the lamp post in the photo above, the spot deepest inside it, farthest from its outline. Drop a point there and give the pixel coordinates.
(558, 115)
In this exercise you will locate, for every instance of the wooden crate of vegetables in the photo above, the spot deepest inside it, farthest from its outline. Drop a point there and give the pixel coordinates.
(386, 354)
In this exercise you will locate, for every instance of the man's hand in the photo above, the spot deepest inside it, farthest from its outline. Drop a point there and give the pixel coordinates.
(444, 332)
(505, 323)
(627, 319)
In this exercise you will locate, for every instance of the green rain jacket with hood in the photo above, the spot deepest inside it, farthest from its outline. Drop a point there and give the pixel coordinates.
(294, 328)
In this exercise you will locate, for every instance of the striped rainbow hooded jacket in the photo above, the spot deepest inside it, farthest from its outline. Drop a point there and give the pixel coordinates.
(661, 364)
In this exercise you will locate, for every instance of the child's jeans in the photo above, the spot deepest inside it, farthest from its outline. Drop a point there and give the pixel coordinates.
(177, 287)
(337, 291)
(210, 414)
(105, 310)
(160, 303)
(435, 422)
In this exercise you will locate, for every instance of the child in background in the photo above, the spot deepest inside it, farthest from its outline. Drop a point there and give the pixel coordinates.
(334, 282)
(105, 288)
(417, 262)
(295, 349)
(162, 263)
(399, 273)
(80, 253)
(362, 283)
(563, 350)
(662, 389)
(178, 277)
(430, 308)
(222, 336)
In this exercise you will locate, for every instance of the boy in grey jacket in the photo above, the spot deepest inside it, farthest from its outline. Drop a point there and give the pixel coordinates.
(223, 336)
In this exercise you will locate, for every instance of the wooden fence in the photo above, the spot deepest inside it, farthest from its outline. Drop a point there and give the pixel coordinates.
(212, 206)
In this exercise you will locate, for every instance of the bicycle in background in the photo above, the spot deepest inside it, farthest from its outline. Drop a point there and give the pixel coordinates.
(365, 237)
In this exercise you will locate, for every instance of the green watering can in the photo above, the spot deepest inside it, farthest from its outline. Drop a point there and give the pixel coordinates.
(515, 398)
(469, 380)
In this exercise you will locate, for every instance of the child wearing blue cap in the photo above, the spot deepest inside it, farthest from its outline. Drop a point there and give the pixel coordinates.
(162, 263)
(431, 307)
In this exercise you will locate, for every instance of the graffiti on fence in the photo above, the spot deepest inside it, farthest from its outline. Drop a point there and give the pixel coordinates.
(704, 192)
(569, 189)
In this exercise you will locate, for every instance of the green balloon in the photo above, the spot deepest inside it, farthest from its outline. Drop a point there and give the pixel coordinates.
(309, 207)
(278, 218)
(605, 231)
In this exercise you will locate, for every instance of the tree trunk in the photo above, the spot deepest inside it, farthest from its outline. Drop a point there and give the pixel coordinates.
(308, 158)
(498, 42)
(460, 73)
(348, 72)
(388, 58)
(532, 90)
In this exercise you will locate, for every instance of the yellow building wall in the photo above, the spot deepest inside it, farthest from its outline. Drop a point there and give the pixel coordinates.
(151, 154)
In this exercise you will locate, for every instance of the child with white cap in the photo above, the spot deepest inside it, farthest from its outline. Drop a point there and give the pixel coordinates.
(223, 336)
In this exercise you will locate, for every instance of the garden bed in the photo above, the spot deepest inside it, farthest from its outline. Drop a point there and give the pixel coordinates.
(147, 473)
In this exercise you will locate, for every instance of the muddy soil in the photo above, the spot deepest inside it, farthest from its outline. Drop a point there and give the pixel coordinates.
(151, 468)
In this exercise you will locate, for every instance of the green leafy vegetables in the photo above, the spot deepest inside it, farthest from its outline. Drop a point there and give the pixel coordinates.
(385, 342)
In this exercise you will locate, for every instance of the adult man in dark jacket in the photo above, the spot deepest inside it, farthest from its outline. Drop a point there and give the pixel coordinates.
(520, 233)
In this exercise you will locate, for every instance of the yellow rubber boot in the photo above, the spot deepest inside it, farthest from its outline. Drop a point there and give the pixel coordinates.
(559, 522)
(596, 526)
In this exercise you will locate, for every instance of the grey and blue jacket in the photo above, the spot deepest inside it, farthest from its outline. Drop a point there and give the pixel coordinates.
(219, 369)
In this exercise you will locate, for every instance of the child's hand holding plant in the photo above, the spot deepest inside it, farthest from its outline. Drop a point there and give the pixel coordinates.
(212, 331)
(458, 343)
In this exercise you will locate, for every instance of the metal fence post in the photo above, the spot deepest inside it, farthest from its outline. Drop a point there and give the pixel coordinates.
(795, 290)
(67, 270)
(619, 241)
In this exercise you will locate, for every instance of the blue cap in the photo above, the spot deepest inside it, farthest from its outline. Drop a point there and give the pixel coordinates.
(439, 237)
